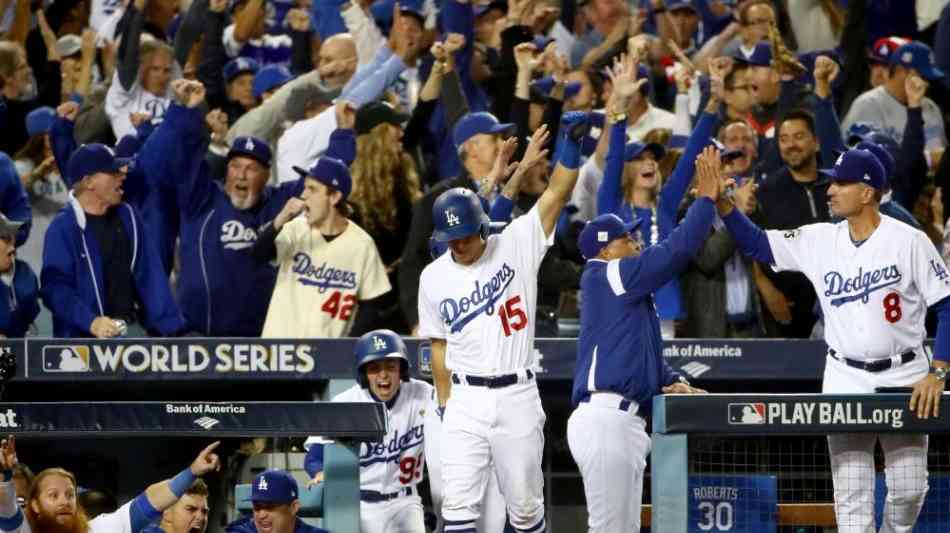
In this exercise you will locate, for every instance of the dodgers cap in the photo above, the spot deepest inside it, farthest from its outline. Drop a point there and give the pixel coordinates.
(600, 231)
(274, 486)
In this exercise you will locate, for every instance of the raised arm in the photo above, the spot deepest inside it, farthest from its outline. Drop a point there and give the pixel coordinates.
(657, 265)
(164, 494)
(827, 125)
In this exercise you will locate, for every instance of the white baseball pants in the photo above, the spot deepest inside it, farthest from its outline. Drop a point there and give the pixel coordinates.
(610, 448)
(492, 517)
(498, 429)
(852, 455)
(400, 515)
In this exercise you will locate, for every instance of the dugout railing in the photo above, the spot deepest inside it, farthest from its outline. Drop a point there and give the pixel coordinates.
(759, 462)
(349, 424)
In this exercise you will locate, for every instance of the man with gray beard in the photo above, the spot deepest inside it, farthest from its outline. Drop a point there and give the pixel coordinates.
(223, 291)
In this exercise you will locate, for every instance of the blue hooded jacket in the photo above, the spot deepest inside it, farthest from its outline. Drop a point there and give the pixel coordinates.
(72, 277)
(22, 302)
(223, 291)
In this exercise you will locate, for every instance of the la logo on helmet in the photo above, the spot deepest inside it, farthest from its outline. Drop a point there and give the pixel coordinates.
(379, 343)
(451, 218)
(262, 485)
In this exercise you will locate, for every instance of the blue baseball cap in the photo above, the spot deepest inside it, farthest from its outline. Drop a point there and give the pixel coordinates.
(89, 159)
(761, 56)
(274, 486)
(40, 120)
(920, 57)
(674, 5)
(238, 66)
(251, 147)
(473, 124)
(883, 156)
(500, 5)
(331, 172)
(269, 78)
(600, 231)
(857, 165)
(857, 132)
(633, 150)
(542, 87)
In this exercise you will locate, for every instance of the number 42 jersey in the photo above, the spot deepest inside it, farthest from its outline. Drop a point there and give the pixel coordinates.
(485, 311)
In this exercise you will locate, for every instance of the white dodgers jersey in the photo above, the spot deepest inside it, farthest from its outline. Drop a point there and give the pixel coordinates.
(486, 311)
(874, 297)
(399, 460)
(320, 283)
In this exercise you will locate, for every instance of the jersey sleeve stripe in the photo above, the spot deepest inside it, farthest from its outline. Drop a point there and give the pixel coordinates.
(613, 277)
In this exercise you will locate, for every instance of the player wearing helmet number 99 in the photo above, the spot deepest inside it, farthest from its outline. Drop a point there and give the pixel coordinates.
(389, 470)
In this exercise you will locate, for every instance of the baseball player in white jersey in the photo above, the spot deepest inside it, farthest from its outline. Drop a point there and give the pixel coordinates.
(477, 304)
(51, 506)
(328, 264)
(389, 470)
(875, 278)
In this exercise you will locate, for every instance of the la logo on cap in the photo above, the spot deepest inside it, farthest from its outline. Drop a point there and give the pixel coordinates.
(840, 159)
(249, 144)
(601, 236)
(867, 177)
(379, 343)
(907, 57)
(262, 484)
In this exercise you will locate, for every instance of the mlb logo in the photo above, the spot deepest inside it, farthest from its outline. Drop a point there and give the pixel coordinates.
(746, 413)
(70, 358)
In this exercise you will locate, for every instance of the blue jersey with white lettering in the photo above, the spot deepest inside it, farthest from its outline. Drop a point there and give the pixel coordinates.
(620, 348)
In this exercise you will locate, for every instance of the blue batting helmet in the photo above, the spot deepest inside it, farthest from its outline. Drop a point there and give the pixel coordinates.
(380, 344)
(456, 214)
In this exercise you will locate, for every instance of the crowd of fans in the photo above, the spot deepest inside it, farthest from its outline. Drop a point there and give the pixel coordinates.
(268, 167)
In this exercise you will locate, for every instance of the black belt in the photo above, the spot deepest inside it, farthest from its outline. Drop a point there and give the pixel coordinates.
(623, 405)
(878, 365)
(492, 382)
(371, 496)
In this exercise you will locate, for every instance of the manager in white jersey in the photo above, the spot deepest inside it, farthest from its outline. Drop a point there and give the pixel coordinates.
(52, 507)
(478, 304)
(875, 278)
(389, 470)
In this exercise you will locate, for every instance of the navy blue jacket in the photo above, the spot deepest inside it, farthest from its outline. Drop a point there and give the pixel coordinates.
(14, 203)
(246, 525)
(620, 349)
(72, 275)
(223, 291)
(22, 301)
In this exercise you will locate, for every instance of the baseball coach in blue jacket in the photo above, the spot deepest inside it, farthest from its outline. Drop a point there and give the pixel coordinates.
(620, 366)
(99, 266)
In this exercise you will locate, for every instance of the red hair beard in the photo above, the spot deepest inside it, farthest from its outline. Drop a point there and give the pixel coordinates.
(43, 522)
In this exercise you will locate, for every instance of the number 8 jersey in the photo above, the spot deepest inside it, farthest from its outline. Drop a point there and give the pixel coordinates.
(874, 295)
(486, 311)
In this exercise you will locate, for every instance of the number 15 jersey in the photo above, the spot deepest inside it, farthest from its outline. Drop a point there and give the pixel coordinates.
(486, 311)
(874, 296)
